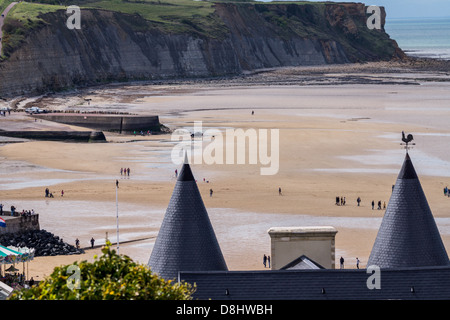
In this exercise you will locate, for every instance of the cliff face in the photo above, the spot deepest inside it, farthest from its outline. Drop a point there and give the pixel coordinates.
(114, 47)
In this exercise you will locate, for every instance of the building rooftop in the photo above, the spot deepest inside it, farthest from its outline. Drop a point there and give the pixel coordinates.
(425, 283)
(302, 263)
(408, 235)
(186, 239)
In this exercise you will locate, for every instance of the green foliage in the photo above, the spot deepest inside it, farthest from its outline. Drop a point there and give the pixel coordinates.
(110, 277)
(4, 4)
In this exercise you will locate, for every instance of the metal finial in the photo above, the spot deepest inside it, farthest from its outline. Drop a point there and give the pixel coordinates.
(407, 141)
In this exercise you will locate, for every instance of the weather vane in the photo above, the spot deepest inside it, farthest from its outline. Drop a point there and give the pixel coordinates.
(407, 141)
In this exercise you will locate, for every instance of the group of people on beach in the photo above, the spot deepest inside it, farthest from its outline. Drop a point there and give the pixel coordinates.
(77, 243)
(341, 262)
(446, 192)
(125, 172)
(379, 205)
(3, 112)
(143, 133)
(49, 194)
(341, 201)
(266, 261)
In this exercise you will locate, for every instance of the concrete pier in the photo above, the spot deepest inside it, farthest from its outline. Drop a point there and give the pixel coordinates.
(107, 122)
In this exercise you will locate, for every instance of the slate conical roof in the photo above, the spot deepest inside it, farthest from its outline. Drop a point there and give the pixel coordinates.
(186, 240)
(408, 235)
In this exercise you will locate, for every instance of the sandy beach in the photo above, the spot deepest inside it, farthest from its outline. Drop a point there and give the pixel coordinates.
(340, 137)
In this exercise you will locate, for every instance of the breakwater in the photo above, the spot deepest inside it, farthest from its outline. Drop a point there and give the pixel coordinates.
(107, 122)
(66, 136)
(43, 242)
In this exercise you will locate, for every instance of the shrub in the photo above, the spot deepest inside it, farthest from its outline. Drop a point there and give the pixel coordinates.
(110, 277)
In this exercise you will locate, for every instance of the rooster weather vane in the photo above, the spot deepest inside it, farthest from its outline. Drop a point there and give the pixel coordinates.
(407, 141)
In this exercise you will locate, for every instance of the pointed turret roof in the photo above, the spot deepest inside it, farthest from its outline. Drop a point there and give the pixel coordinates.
(186, 240)
(408, 235)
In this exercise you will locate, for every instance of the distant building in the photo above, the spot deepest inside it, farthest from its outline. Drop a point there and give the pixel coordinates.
(316, 243)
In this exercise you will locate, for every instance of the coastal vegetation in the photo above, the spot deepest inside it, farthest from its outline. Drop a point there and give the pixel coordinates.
(110, 277)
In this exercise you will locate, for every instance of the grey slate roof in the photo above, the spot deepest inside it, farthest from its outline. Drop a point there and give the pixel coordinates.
(186, 239)
(425, 283)
(408, 235)
(302, 262)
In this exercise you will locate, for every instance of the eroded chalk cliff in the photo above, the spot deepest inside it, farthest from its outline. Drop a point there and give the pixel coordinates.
(113, 46)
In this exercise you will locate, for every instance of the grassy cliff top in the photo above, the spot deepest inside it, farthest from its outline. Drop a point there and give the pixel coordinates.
(160, 11)
(178, 16)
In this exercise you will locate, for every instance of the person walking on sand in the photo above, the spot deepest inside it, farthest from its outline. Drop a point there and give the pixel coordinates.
(358, 201)
(62, 193)
(279, 191)
(92, 242)
(268, 260)
(373, 204)
(342, 262)
(357, 263)
(264, 260)
(128, 171)
(210, 192)
(77, 243)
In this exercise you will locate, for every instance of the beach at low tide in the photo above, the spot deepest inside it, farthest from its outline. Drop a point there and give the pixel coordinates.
(334, 140)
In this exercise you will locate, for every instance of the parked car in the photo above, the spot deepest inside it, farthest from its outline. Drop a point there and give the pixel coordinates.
(33, 110)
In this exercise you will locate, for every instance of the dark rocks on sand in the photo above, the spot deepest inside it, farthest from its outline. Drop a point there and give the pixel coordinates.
(43, 242)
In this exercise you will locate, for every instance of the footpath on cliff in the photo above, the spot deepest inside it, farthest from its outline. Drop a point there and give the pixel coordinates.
(2, 19)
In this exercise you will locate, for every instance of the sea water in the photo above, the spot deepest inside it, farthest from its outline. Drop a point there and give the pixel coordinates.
(421, 37)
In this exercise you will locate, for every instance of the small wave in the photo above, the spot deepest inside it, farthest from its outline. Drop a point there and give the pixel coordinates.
(443, 54)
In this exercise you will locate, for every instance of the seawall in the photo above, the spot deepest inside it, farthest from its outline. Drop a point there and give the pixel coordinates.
(20, 224)
(108, 122)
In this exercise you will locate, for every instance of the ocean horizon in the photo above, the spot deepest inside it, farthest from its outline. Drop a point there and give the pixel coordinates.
(421, 37)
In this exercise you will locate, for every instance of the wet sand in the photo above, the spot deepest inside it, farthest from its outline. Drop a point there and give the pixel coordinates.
(335, 140)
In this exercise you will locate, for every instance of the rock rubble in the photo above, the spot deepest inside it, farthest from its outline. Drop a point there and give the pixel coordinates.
(43, 242)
